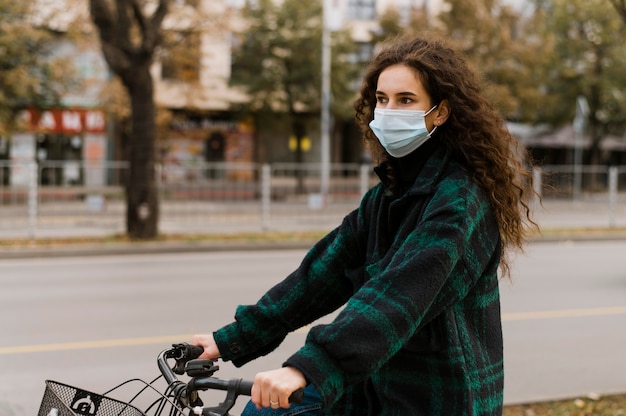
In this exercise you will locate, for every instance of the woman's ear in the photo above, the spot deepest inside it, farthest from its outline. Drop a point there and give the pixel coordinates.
(442, 112)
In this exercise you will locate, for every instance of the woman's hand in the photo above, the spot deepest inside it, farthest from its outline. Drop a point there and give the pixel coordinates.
(207, 342)
(273, 388)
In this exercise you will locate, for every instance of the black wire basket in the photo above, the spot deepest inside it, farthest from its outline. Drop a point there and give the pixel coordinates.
(60, 399)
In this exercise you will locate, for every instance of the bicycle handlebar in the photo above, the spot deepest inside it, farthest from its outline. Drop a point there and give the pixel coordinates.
(201, 372)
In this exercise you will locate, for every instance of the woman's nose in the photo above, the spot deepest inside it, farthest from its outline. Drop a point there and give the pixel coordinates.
(391, 105)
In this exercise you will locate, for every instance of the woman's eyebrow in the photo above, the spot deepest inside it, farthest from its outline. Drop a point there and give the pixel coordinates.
(404, 93)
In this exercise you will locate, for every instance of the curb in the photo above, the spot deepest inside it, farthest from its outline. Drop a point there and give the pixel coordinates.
(116, 249)
(26, 251)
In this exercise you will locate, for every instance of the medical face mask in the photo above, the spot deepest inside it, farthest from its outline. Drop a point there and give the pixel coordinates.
(400, 132)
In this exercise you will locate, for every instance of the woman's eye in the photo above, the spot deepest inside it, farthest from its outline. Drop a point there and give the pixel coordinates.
(406, 100)
(381, 100)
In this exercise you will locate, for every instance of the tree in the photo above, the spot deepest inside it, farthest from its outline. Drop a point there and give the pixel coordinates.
(620, 8)
(29, 74)
(505, 47)
(277, 61)
(129, 36)
(502, 44)
(589, 60)
(390, 24)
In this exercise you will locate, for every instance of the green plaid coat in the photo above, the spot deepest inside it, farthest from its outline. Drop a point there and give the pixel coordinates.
(420, 329)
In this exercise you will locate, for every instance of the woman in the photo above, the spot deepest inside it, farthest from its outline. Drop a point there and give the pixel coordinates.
(415, 266)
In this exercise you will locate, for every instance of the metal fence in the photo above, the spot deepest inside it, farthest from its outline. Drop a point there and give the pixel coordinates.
(581, 196)
(53, 199)
(77, 198)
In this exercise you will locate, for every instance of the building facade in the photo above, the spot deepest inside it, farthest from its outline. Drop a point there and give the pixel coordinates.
(192, 83)
(65, 139)
(204, 127)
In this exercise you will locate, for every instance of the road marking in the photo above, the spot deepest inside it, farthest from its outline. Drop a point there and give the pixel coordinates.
(129, 342)
(564, 313)
(86, 345)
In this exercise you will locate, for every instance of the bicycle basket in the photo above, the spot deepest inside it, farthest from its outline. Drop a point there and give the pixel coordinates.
(72, 401)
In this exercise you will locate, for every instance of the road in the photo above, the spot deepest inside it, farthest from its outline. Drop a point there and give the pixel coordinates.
(96, 321)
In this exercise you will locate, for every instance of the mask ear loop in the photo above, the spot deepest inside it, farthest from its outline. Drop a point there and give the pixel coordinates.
(430, 133)
(431, 110)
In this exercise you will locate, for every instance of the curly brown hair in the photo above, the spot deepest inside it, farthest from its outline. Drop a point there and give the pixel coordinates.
(474, 132)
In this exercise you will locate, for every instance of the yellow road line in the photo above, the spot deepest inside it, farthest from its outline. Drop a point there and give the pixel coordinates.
(86, 345)
(128, 342)
(564, 313)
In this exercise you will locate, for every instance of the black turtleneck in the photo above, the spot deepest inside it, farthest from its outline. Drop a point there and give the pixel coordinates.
(409, 166)
(405, 169)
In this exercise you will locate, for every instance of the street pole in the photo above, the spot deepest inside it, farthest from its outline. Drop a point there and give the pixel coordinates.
(325, 116)
(332, 20)
(578, 152)
(582, 111)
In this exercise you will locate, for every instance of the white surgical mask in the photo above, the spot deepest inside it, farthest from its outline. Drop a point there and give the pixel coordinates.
(400, 132)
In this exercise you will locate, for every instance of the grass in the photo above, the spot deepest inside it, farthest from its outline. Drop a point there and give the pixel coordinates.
(260, 237)
(269, 236)
(592, 405)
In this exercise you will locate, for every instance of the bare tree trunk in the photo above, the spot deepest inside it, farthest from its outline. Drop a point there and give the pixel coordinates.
(142, 208)
(129, 39)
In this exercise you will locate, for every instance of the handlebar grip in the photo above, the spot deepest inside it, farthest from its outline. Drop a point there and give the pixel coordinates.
(245, 388)
(194, 351)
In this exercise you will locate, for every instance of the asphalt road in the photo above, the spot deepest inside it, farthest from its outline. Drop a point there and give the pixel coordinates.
(94, 322)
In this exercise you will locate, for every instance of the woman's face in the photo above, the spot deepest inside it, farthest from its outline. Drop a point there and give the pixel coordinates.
(399, 88)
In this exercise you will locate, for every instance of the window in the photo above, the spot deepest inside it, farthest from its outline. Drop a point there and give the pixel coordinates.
(182, 3)
(361, 9)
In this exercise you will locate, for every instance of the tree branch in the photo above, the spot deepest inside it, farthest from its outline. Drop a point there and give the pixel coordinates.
(620, 7)
(124, 24)
(113, 34)
(139, 17)
(152, 32)
(102, 17)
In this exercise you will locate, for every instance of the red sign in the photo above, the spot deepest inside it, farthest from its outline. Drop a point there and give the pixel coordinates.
(66, 121)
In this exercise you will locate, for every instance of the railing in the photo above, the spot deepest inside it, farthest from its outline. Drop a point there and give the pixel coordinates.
(583, 196)
(53, 199)
(38, 200)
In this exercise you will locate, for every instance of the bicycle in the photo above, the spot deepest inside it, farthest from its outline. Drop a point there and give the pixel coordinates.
(177, 398)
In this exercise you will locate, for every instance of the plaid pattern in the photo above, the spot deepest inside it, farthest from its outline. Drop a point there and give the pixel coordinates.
(420, 330)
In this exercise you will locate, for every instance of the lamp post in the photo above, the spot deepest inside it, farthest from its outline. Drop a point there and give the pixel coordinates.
(325, 115)
(332, 20)
(582, 111)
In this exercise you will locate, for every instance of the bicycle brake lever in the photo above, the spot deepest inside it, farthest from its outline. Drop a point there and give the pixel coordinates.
(182, 353)
(201, 368)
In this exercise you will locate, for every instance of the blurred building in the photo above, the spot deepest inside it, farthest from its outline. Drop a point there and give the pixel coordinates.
(192, 84)
(71, 135)
(205, 128)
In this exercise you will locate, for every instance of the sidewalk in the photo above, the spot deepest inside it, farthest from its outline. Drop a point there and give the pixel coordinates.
(559, 221)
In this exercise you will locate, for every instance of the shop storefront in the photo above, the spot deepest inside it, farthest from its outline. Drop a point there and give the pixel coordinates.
(69, 146)
(201, 146)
